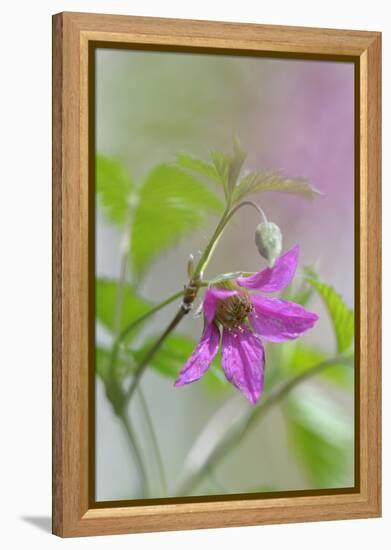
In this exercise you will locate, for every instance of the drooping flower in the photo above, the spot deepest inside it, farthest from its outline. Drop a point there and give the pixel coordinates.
(245, 319)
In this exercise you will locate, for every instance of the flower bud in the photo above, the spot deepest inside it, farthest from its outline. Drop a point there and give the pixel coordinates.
(268, 239)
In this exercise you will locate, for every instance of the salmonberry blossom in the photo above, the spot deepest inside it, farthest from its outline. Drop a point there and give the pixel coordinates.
(244, 319)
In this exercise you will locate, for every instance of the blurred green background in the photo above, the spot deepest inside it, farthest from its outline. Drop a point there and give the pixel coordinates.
(295, 116)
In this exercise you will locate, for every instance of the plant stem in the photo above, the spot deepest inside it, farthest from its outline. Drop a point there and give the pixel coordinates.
(121, 282)
(116, 393)
(204, 260)
(247, 203)
(233, 438)
(144, 363)
(226, 217)
(155, 444)
(136, 453)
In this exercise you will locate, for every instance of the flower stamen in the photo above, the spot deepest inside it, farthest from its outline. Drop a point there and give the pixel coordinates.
(233, 311)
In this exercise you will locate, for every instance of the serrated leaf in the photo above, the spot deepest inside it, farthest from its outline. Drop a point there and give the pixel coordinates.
(198, 167)
(258, 182)
(341, 316)
(113, 188)
(321, 436)
(221, 162)
(133, 306)
(171, 204)
(237, 161)
(228, 166)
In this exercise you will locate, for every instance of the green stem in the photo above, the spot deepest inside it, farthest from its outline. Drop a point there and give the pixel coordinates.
(121, 409)
(226, 217)
(205, 258)
(132, 439)
(235, 437)
(155, 444)
(144, 363)
(122, 276)
(247, 203)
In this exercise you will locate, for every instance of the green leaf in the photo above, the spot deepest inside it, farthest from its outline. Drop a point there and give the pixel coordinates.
(125, 363)
(258, 182)
(102, 358)
(214, 378)
(321, 436)
(173, 354)
(341, 316)
(172, 203)
(237, 161)
(296, 358)
(105, 304)
(228, 166)
(300, 291)
(221, 162)
(114, 188)
(198, 167)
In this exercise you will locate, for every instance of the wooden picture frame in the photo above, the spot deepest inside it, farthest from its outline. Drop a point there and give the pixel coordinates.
(74, 35)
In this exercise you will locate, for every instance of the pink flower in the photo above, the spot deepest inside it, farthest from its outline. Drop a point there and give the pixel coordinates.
(244, 318)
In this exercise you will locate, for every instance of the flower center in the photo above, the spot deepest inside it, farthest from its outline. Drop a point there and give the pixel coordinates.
(233, 311)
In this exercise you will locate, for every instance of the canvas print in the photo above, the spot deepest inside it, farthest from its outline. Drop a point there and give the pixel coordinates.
(224, 275)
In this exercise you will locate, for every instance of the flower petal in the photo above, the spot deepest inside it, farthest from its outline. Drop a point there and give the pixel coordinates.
(273, 279)
(211, 298)
(243, 360)
(201, 358)
(279, 320)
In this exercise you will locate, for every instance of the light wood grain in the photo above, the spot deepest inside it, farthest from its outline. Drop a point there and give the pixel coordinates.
(71, 35)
